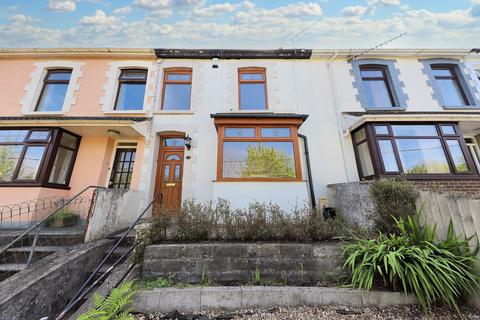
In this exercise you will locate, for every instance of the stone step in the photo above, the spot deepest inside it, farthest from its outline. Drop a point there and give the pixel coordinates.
(46, 249)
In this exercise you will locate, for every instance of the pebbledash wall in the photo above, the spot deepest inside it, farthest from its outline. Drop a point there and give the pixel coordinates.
(323, 86)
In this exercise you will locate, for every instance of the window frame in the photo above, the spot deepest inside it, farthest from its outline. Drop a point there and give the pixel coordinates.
(252, 70)
(46, 82)
(293, 124)
(51, 148)
(176, 70)
(121, 81)
(454, 77)
(379, 168)
(384, 70)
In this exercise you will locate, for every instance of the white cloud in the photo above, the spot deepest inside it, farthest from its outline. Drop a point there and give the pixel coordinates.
(354, 11)
(214, 9)
(21, 18)
(61, 5)
(122, 10)
(383, 3)
(164, 4)
(99, 18)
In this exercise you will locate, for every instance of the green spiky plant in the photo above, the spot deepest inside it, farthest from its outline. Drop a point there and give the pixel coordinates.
(114, 306)
(414, 261)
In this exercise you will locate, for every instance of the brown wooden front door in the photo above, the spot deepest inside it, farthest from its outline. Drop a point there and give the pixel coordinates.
(169, 179)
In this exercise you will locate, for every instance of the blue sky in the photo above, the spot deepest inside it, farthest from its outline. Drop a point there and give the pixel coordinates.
(238, 24)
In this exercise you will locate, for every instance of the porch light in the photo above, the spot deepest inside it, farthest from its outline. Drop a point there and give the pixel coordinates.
(188, 142)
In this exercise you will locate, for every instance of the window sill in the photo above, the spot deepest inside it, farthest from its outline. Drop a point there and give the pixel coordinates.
(125, 112)
(433, 176)
(461, 107)
(174, 112)
(43, 113)
(386, 109)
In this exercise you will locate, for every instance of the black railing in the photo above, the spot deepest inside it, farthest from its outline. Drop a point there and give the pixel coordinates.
(88, 285)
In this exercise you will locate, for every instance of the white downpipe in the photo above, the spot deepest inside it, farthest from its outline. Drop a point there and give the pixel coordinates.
(338, 114)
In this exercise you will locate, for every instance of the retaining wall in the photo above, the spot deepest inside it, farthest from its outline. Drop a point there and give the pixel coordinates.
(238, 262)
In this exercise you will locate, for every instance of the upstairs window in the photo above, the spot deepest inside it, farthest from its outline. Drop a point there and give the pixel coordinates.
(448, 83)
(252, 89)
(37, 156)
(131, 89)
(376, 86)
(177, 86)
(55, 85)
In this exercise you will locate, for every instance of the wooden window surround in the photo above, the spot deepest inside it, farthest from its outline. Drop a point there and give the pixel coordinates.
(252, 76)
(54, 79)
(415, 149)
(130, 78)
(180, 78)
(15, 143)
(448, 72)
(372, 73)
(242, 141)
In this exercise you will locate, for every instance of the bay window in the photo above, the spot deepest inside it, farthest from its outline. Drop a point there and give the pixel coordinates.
(258, 151)
(415, 150)
(37, 156)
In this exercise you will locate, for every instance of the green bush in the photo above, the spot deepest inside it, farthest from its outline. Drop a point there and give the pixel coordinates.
(113, 307)
(259, 222)
(63, 218)
(414, 261)
(393, 199)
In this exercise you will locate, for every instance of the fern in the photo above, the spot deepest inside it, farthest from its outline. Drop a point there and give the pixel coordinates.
(113, 307)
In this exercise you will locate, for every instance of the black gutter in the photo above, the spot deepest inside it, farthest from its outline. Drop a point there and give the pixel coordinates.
(260, 115)
(233, 54)
(475, 50)
(309, 171)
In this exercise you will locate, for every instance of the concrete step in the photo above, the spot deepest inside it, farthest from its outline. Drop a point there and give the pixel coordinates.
(12, 267)
(116, 254)
(49, 249)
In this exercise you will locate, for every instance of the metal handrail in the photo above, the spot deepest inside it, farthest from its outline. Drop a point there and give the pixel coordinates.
(39, 223)
(83, 289)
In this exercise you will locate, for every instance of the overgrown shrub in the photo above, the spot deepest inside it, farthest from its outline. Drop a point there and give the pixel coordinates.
(113, 307)
(259, 222)
(63, 218)
(415, 261)
(393, 199)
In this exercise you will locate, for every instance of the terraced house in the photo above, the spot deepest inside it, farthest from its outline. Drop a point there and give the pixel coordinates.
(267, 125)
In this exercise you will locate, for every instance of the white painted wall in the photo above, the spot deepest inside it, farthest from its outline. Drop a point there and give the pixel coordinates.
(297, 86)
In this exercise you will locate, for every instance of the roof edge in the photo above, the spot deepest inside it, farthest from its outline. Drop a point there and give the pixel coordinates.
(246, 115)
(233, 54)
(18, 53)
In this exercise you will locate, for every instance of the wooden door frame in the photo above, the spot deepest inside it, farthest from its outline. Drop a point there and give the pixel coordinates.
(160, 160)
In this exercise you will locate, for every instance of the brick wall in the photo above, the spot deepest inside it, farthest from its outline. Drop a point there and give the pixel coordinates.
(468, 188)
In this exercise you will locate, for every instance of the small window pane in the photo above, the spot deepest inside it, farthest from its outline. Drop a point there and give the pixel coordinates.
(13, 135)
(177, 173)
(381, 130)
(388, 156)
(252, 96)
(421, 156)
(365, 159)
(276, 132)
(53, 97)
(178, 77)
(457, 156)
(372, 73)
(379, 94)
(416, 130)
(239, 132)
(177, 97)
(39, 135)
(133, 75)
(258, 160)
(448, 130)
(59, 76)
(173, 142)
(166, 173)
(68, 141)
(251, 76)
(31, 163)
(442, 72)
(173, 157)
(360, 135)
(130, 96)
(61, 166)
(8, 161)
(451, 92)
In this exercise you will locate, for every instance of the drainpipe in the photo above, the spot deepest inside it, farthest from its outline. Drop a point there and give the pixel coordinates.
(309, 171)
(338, 114)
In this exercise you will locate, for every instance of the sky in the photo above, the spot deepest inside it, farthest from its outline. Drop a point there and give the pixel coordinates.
(256, 24)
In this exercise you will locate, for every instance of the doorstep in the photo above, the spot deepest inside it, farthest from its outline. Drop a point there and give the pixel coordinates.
(164, 300)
